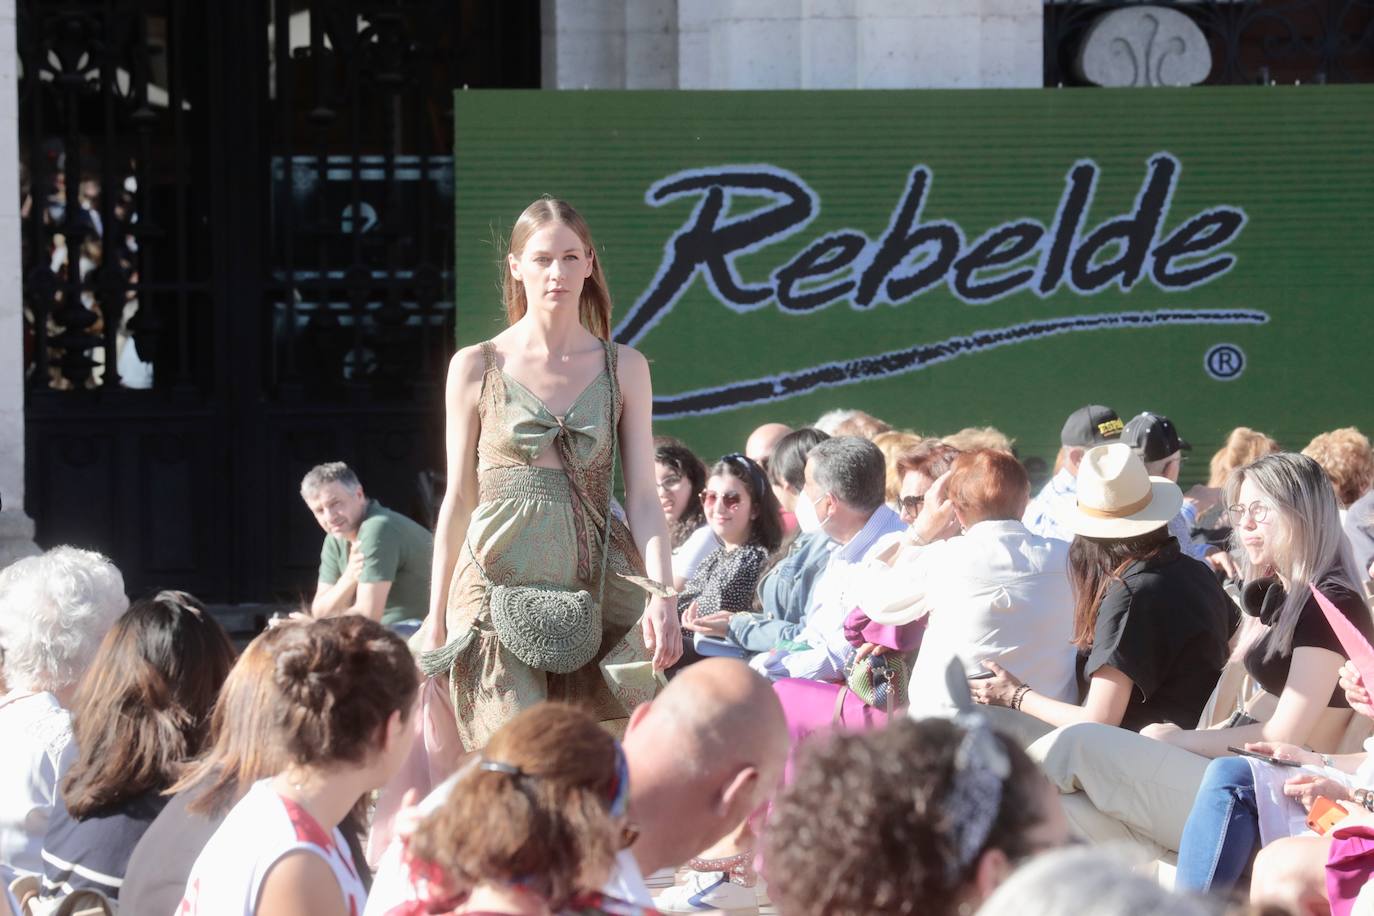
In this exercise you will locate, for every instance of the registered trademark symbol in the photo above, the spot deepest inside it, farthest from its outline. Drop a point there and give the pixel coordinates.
(1225, 362)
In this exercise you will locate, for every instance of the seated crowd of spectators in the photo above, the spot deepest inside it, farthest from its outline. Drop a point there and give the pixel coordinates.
(911, 685)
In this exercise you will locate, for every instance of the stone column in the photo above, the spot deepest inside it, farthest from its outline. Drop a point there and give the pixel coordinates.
(860, 44)
(792, 44)
(651, 44)
(16, 528)
(609, 44)
(582, 44)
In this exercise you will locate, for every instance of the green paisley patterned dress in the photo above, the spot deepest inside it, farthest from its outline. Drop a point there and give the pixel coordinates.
(535, 525)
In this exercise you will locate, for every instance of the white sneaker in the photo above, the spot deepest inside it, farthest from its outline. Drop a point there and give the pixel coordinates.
(705, 891)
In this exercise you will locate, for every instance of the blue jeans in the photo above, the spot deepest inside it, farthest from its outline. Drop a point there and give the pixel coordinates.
(1222, 833)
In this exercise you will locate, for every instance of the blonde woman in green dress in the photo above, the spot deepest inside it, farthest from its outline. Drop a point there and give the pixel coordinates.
(530, 443)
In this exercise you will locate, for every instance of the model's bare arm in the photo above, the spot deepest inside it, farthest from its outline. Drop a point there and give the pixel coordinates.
(662, 634)
(461, 427)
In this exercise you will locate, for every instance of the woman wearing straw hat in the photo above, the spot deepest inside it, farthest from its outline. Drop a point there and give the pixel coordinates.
(1152, 623)
(1288, 538)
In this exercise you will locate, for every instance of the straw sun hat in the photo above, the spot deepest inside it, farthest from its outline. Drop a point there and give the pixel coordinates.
(1117, 497)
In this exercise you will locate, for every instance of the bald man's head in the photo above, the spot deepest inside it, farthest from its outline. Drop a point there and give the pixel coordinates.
(761, 441)
(704, 754)
(723, 711)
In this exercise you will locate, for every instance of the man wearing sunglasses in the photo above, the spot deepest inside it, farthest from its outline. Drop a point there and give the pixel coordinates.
(845, 482)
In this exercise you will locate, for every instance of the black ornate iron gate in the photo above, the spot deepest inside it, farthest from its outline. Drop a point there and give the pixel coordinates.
(238, 248)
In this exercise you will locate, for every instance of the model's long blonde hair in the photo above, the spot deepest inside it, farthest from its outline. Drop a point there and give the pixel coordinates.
(594, 305)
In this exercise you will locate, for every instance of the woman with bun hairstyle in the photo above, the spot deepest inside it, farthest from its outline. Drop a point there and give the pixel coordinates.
(347, 687)
(140, 714)
(535, 418)
(532, 827)
(235, 759)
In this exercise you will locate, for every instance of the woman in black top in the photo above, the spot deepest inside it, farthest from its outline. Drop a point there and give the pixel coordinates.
(1287, 525)
(1288, 535)
(744, 515)
(140, 714)
(1150, 622)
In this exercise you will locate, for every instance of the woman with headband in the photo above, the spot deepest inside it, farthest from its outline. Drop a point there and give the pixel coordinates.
(532, 827)
(918, 817)
(745, 518)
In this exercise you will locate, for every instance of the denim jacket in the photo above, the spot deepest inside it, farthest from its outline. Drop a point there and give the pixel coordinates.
(785, 594)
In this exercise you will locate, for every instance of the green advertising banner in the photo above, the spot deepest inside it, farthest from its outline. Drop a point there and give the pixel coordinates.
(945, 259)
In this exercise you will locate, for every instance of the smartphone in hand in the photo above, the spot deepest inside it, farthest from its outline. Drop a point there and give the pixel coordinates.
(1265, 757)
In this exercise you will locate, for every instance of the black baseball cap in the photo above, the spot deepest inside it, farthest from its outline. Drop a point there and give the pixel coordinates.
(1091, 425)
(1153, 436)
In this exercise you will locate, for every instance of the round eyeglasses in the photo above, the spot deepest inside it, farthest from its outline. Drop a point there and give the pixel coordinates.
(1256, 510)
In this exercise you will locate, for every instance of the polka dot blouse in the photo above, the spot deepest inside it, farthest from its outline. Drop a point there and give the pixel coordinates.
(726, 579)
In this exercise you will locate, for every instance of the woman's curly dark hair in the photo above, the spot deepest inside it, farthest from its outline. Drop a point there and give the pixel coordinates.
(675, 454)
(861, 831)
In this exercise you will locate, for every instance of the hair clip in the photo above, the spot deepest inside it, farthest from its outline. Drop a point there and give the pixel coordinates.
(981, 768)
(495, 766)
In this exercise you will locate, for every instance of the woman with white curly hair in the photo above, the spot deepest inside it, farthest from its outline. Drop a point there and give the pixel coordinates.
(54, 610)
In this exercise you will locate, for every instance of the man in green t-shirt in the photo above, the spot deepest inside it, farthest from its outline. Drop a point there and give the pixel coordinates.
(374, 562)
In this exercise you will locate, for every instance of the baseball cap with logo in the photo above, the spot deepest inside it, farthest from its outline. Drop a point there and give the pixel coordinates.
(1091, 425)
(1153, 436)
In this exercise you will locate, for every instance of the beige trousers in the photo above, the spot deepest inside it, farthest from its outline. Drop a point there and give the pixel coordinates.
(1016, 725)
(1119, 786)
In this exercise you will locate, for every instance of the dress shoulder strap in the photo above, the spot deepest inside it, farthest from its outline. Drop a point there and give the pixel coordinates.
(488, 356)
(613, 366)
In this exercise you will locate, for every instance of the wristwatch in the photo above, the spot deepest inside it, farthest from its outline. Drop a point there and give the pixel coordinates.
(1364, 798)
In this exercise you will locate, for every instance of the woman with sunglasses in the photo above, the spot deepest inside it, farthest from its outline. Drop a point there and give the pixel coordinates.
(918, 467)
(744, 516)
(1285, 524)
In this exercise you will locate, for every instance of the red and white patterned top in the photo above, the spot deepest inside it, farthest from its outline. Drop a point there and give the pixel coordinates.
(227, 877)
